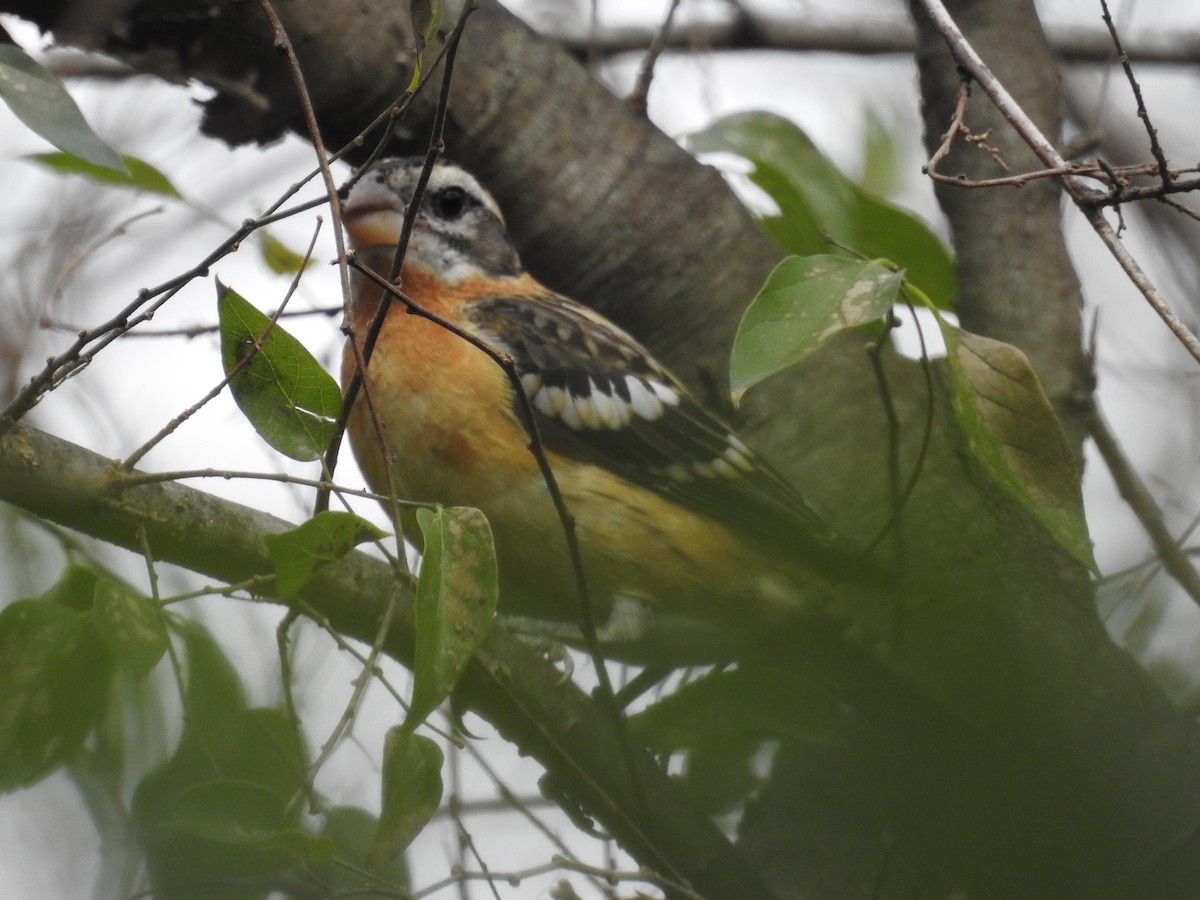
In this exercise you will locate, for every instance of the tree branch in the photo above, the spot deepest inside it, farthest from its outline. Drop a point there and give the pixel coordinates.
(881, 34)
(1078, 190)
(508, 683)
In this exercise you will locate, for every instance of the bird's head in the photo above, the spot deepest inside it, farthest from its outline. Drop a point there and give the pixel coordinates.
(458, 231)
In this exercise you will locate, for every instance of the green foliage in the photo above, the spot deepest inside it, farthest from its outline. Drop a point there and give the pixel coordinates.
(137, 174)
(280, 258)
(39, 100)
(289, 398)
(217, 818)
(352, 831)
(55, 673)
(457, 592)
(805, 302)
(757, 701)
(1011, 429)
(412, 789)
(1006, 420)
(722, 719)
(223, 815)
(426, 18)
(815, 200)
(131, 627)
(327, 536)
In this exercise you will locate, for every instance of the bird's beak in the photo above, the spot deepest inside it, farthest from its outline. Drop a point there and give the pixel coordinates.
(372, 224)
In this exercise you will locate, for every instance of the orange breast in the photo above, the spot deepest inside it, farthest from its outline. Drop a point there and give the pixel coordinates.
(447, 424)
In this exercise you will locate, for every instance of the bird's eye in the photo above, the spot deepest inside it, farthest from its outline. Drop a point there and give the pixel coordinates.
(449, 202)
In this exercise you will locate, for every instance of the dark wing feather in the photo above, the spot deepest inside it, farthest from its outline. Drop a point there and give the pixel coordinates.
(600, 395)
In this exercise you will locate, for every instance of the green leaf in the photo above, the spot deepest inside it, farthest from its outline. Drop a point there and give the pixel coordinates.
(138, 174)
(130, 626)
(291, 401)
(412, 789)
(75, 589)
(352, 832)
(1011, 429)
(880, 157)
(215, 818)
(327, 536)
(279, 257)
(224, 838)
(721, 721)
(39, 100)
(426, 18)
(457, 590)
(230, 811)
(752, 701)
(54, 681)
(805, 302)
(214, 695)
(815, 198)
(719, 776)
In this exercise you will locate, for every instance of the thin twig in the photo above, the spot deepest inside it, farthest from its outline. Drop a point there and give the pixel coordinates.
(875, 353)
(283, 648)
(1081, 194)
(134, 479)
(134, 458)
(587, 620)
(363, 680)
(1164, 171)
(1134, 493)
(362, 357)
(638, 97)
(194, 331)
(1179, 207)
(672, 888)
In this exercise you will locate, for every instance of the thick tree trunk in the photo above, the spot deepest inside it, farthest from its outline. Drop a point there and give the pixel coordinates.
(1017, 283)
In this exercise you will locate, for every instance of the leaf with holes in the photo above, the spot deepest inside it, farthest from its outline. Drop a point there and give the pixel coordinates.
(1011, 429)
(39, 100)
(805, 302)
(291, 401)
(327, 536)
(130, 626)
(457, 591)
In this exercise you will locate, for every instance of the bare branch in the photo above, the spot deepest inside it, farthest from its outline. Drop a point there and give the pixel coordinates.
(1085, 198)
(508, 683)
(1134, 493)
(865, 37)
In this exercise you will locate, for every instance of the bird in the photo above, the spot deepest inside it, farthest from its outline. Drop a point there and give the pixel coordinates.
(687, 537)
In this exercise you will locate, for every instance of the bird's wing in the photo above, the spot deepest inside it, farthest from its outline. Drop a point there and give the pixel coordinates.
(600, 395)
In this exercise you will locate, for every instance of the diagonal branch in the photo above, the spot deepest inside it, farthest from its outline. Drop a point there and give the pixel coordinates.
(508, 683)
(1083, 196)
